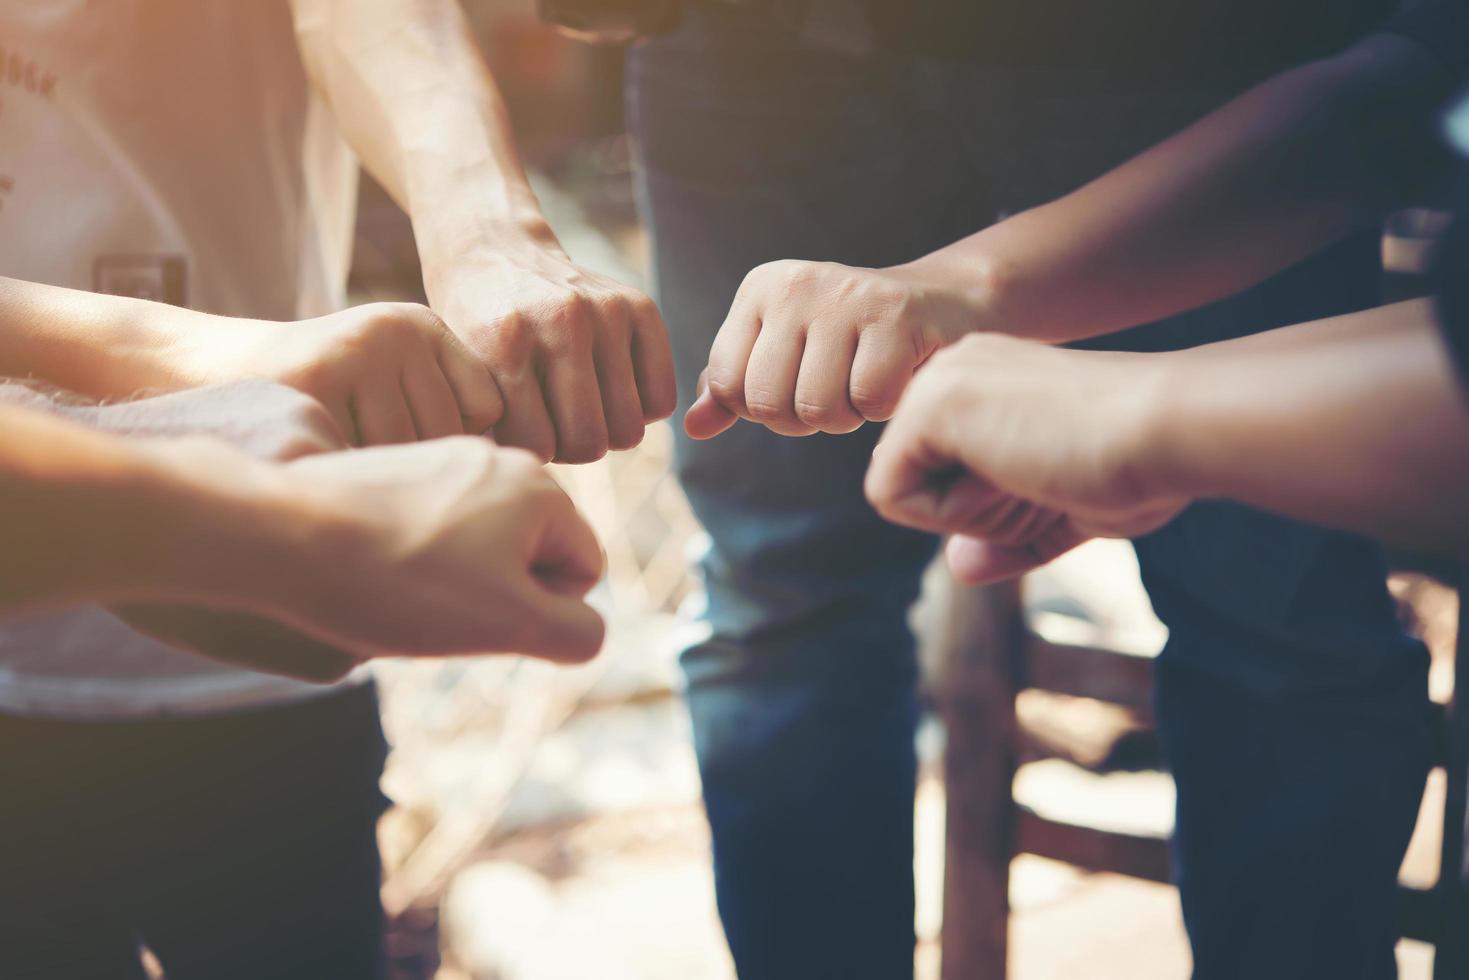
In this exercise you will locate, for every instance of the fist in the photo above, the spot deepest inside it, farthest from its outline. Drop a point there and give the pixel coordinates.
(1024, 451)
(583, 362)
(448, 547)
(386, 372)
(819, 347)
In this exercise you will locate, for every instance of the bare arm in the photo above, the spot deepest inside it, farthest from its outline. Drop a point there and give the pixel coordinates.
(582, 362)
(1027, 450)
(1246, 191)
(455, 546)
(388, 372)
(1271, 177)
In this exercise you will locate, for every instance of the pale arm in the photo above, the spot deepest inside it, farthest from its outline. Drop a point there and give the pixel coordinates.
(1355, 422)
(454, 546)
(1248, 190)
(1271, 177)
(583, 362)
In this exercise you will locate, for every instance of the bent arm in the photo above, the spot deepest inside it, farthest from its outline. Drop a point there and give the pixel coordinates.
(411, 93)
(1276, 174)
(89, 517)
(1356, 422)
(104, 347)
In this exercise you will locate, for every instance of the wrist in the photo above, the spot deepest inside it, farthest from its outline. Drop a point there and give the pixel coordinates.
(968, 289)
(501, 256)
(1176, 446)
(466, 237)
(225, 528)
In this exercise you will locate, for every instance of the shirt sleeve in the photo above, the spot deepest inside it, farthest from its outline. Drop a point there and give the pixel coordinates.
(1442, 26)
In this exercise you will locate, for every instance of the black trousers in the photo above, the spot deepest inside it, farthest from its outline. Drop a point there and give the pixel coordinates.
(236, 846)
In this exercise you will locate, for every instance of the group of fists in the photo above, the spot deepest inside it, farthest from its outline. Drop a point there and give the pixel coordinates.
(465, 544)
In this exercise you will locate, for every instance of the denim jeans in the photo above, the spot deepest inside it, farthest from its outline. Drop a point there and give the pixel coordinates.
(1293, 705)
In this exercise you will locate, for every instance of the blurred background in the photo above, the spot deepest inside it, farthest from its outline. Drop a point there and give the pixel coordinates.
(547, 821)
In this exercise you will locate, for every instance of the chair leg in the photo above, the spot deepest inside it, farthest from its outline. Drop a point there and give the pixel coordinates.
(1451, 958)
(977, 692)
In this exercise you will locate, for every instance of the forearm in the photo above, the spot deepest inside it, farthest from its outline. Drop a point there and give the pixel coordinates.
(1252, 188)
(104, 347)
(89, 517)
(411, 92)
(1355, 422)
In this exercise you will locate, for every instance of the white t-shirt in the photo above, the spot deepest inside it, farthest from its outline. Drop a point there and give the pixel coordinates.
(169, 149)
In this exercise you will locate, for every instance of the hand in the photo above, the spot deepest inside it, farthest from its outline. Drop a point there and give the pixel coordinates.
(1024, 451)
(261, 418)
(386, 372)
(450, 547)
(582, 362)
(819, 347)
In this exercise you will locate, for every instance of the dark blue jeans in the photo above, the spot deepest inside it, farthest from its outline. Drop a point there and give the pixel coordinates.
(1293, 707)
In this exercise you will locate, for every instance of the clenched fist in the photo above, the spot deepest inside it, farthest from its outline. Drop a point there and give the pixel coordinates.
(1024, 451)
(583, 362)
(448, 547)
(819, 347)
(387, 372)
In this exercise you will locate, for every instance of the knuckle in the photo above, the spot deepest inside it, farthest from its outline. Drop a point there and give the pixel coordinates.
(642, 307)
(820, 414)
(766, 405)
(581, 449)
(874, 404)
(625, 434)
(726, 386)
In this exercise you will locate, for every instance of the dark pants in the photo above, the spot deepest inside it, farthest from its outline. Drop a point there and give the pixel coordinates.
(1294, 707)
(239, 846)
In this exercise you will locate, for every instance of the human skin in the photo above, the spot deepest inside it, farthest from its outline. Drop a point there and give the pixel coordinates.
(304, 567)
(582, 362)
(1271, 177)
(386, 372)
(1024, 450)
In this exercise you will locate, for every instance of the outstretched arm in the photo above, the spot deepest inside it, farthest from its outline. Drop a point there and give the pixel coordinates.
(454, 546)
(387, 372)
(582, 361)
(1027, 450)
(1248, 190)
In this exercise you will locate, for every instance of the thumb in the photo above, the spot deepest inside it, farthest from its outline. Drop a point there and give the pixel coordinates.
(706, 418)
(566, 629)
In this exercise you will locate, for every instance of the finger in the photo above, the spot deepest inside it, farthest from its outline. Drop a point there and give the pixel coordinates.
(770, 379)
(881, 370)
(237, 638)
(431, 400)
(480, 403)
(622, 407)
(979, 562)
(909, 479)
(565, 629)
(566, 557)
(526, 424)
(821, 399)
(729, 357)
(340, 409)
(706, 418)
(652, 363)
(382, 414)
(574, 398)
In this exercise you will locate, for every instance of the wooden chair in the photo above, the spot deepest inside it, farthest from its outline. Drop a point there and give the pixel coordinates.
(992, 655)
